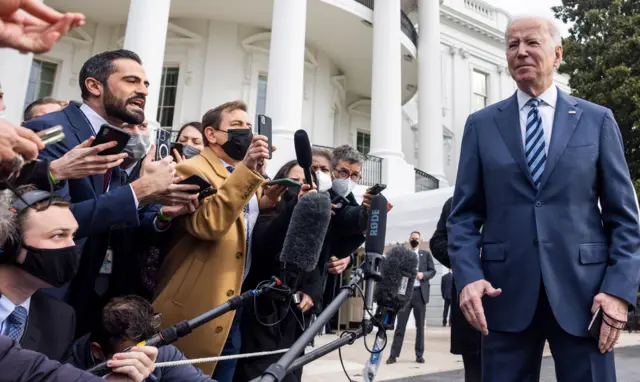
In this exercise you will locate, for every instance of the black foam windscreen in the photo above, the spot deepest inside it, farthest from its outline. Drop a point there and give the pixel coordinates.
(303, 148)
(376, 225)
(399, 271)
(306, 232)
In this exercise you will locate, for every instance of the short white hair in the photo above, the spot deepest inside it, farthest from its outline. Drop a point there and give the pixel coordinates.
(553, 29)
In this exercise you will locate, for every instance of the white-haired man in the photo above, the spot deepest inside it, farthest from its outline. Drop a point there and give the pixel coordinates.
(533, 171)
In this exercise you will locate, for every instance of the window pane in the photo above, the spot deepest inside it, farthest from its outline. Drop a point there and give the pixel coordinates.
(479, 102)
(261, 101)
(363, 142)
(169, 98)
(166, 117)
(171, 77)
(45, 90)
(48, 72)
(479, 83)
(168, 94)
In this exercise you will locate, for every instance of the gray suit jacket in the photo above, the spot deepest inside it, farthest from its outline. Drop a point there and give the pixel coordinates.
(427, 267)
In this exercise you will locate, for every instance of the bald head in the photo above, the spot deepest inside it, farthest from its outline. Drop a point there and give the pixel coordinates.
(534, 51)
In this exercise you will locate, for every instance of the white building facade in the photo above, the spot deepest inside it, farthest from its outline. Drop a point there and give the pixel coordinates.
(394, 78)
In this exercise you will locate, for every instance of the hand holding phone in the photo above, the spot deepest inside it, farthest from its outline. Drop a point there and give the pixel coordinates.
(265, 128)
(197, 180)
(109, 133)
(286, 182)
(376, 189)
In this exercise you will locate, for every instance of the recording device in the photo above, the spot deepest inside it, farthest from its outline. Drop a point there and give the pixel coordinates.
(163, 144)
(376, 189)
(339, 201)
(265, 128)
(286, 182)
(305, 237)
(178, 147)
(183, 328)
(303, 154)
(207, 192)
(197, 180)
(108, 133)
(52, 135)
(374, 248)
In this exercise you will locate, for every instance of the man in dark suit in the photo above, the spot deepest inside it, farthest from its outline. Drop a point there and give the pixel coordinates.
(545, 177)
(114, 90)
(418, 303)
(446, 284)
(40, 253)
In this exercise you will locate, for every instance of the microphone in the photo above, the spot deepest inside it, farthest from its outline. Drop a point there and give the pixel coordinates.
(305, 237)
(399, 272)
(374, 247)
(303, 154)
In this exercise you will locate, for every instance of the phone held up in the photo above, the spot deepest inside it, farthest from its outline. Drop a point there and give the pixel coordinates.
(109, 133)
(265, 128)
(376, 189)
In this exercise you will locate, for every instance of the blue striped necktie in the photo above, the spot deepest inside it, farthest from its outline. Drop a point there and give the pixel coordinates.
(534, 142)
(15, 323)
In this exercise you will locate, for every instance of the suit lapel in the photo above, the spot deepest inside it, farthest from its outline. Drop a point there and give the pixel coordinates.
(564, 124)
(83, 131)
(508, 122)
(31, 337)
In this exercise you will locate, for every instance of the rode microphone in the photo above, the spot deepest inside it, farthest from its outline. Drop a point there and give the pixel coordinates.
(305, 237)
(399, 271)
(303, 154)
(374, 247)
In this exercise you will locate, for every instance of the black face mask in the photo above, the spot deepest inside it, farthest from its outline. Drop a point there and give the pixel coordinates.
(414, 243)
(56, 267)
(238, 142)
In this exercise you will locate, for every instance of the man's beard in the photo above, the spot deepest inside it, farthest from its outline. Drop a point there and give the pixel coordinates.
(116, 108)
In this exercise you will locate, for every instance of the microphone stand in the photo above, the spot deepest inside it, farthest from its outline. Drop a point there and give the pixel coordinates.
(277, 371)
(183, 328)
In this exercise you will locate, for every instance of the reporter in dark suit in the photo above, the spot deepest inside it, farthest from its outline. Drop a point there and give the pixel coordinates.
(418, 303)
(40, 253)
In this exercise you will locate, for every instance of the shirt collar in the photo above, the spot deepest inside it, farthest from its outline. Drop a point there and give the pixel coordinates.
(94, 118)
(7, 307)
(549, 97)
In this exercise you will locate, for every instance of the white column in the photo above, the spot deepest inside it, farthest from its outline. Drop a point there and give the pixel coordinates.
(430, 157)
(286, 77)
(15, 69)
(146, 35)
(386, 82)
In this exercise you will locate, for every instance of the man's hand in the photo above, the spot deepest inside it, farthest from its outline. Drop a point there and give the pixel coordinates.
(135, 365)
(306, 303)
(420, 276)
(31, 26)
(181, 209)
(471, 303)
(336, 266)
(366, 202)
(614, 319)
(18, 140)
(83, 160)
(156, 184)
(271, 195)
(176, 155)
(256, 155)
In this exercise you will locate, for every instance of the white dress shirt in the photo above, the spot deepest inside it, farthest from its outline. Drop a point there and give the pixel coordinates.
(96, 121)
(546, 109)
(6, 308)
(416, 282)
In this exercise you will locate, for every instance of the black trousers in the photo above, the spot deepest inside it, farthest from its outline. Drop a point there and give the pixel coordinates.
(445, 313)
(419, 308)
(472, 367)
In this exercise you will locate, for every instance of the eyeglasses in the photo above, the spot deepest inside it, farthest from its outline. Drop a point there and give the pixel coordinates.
(343, 173)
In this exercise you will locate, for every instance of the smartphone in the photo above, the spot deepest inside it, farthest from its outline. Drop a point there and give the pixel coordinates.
(178, 147)
(52, 135)
(284, 182)
(198, 181)
(596, 324)
(163, 144)
(207, 192)
(376, 189)
(109, 133)
(264, 128)
(339, 202)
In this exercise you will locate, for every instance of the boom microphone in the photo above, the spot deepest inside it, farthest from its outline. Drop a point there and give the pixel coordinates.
(374, 247)
(303, 154)
(305, 237)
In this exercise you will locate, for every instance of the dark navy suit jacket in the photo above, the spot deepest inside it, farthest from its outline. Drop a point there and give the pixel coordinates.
(557, 234)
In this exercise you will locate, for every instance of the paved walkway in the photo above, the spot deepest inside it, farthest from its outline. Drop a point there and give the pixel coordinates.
(440, 364)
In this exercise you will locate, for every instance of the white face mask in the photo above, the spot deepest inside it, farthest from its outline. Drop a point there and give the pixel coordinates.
(1, 114)
(324, 181)
(343, 187)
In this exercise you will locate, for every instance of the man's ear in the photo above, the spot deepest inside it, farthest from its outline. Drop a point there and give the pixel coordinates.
(209, 132)
(97, 352)
(94, 86)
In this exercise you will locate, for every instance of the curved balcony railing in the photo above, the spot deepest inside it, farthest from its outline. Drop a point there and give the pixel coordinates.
(405, 24)
(426, 182)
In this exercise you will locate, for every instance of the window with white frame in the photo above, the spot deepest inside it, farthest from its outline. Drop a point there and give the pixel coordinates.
(479, 90)
(261, 99)
(363, 142)
(168, 94)
(41, 80)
